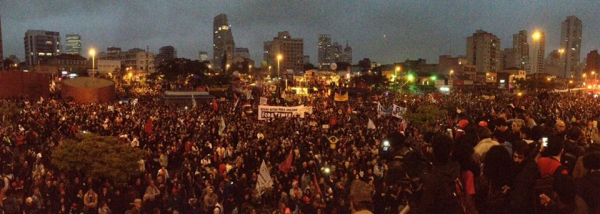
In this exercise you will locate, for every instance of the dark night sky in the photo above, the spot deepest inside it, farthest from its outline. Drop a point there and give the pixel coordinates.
(385, 30)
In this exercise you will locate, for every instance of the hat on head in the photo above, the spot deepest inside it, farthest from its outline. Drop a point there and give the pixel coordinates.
(463, 123)
(137, 201)
(483, 123)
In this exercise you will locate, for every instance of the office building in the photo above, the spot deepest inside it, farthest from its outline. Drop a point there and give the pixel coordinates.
(73, 44)
(592, 63)
(242, 52)
(508, 59)
(570, 41)
(347, 55)
(40, 45)
(483, 51)
(306, 59)
(67, 62)
(222, 42)
(165, 54)
(291, 50)
(538, 45)
(521, 51)
(324, 56)
(134, 60)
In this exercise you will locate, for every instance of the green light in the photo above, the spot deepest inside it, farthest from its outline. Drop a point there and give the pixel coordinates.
(433, 78)
(410, 77)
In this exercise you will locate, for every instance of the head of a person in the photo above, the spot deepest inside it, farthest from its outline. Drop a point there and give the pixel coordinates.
(442, 146)
(560, 126)
(501, 124)
(574, 133)
(591, 161)
(497, 166)
(525, 133)
(564, 186)
(555, 147)
(360, 194)
(520, 151)
(483, 132)
(517, 125)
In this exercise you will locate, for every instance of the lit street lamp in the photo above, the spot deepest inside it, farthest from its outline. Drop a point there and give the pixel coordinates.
(93, 54)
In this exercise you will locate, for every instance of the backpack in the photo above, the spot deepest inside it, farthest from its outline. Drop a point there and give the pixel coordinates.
(451, 194)
(569, 160)
(407, 168)
(544, 185)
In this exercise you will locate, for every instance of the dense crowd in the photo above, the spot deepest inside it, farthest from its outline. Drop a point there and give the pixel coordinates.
(491, 149)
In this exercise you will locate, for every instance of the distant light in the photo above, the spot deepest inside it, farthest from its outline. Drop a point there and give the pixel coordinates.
(386, 143)
(502, 81)
(444, 89)
(64, 72)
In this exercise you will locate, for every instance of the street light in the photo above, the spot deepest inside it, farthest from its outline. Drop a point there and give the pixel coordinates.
(270, 69)
(93, 54)
(279, 58)
(227, 68)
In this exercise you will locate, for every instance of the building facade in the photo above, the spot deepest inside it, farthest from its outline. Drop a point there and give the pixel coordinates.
(165, 53)
(67, 62)
(134, 60)
(570, 40)
(242, 52)
(347, 55)
(483, 51)
(324, 55)
(554, 65)
(538, 53)
(455, 65)
(73, 44)
(521, 51)
(222, 41)
(592, 62)
(291, 50)
(40, 45)
(508, 58)
(105, 66)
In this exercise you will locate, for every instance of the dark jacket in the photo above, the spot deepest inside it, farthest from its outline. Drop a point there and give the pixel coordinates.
(436, 184)
(588, 188)
(521, 195)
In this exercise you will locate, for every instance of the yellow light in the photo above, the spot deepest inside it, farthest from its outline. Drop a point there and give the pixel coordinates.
(548, 79)
(451, 71)
(570, 81)
(589, 86)
(593, 72)
(562, 50)
(130, 75)
(536, 35)
(519, 94)
(397, 68)
(279, 57)
(92, 52)
(584, 75)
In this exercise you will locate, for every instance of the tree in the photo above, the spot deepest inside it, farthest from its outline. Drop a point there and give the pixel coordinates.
(424, 116)
(343, 66)
(98, 156)
(365, 64)
(309, 66)
(7, 64)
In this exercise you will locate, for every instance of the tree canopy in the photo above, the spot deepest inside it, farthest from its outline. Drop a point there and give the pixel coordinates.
(425, 115)
(98, 156)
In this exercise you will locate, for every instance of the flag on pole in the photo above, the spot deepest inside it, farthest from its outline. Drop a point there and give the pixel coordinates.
(286, 165)
(221, 126)
(316, 183)
(371, 125)
(215, 105)
(193, 101)
(264, 179)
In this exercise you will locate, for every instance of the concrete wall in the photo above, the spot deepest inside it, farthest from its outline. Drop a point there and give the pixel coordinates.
(88, 95)
(24, 84)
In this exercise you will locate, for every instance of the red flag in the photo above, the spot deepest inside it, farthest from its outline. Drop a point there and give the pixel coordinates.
(148, 128)
(215, 106)
(316, 183)
(286, 165)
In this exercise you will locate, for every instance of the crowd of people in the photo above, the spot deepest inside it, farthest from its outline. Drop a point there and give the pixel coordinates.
(492, 155)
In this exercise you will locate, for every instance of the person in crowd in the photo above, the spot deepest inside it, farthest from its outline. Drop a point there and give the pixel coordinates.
(497, 177)
(588, 186)
(525, 171)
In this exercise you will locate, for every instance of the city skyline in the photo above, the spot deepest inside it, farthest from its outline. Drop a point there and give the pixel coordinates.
(386, 32)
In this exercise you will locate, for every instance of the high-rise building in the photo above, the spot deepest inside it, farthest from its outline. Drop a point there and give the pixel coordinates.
(267, 55)
(483, 51)
(73, 44)
(508, 59)
(291, 50)
(41, 44)
(592, 62)
(521, 51)
(306, 59)
(570, 41)
(165, 54)
(336, 52)
(203, 56)
(1, 48)
(222, 41)
(347, 55)
(554, 66)
(324, 56)
(538, 44)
